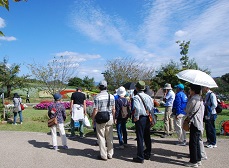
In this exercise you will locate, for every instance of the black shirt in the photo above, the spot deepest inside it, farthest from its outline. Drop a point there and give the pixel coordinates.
(78, 98)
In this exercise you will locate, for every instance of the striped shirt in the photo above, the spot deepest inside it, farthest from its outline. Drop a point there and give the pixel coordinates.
(101, 100)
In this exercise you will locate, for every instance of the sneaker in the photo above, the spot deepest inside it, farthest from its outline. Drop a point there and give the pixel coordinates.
(120, 147)
(204, 158)
(14, 123)
(125, 145)
(189, 164)
(20, 122)
(82, 136)
(215, 146)
(165, 135)
(209, 146)
(181, 143)
(65, 147)
(55, 147)
(137, 160)
(199, 163)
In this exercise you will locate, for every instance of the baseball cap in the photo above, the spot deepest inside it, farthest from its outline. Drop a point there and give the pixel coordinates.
(180, 86)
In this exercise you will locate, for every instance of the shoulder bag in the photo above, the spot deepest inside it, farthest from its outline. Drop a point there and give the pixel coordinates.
(52, 121)
(152, 117)
(186, 123)
(103, 116)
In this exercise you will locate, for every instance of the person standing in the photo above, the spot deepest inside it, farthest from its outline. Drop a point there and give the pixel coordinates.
(211, 101)
(195, 108)
(78, 111)
(179, 105)
(104, 102)
(120, 119)
(169, 97)
(17, 108)
(27, 98)
(142, 122)
(58, 110)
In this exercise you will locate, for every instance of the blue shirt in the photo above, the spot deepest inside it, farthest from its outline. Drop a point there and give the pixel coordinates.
(170, 96)
(180, 103)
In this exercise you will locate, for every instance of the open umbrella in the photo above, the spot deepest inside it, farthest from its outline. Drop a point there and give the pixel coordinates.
(129, 85)
(197, 77)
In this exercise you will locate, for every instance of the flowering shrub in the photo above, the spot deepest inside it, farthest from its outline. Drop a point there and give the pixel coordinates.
(45, 104)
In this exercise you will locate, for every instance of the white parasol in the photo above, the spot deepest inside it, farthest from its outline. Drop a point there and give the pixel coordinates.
(197, 77)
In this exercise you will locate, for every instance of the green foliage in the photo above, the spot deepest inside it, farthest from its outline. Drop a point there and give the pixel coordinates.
(9, 76)
(5, 4)
(75, 82)
(166, 74)
(88, 83)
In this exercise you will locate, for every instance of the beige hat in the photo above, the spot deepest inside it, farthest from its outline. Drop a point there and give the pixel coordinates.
(168, 86)
(121, 91)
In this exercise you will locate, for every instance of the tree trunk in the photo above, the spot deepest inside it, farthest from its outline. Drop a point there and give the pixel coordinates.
(8, 91)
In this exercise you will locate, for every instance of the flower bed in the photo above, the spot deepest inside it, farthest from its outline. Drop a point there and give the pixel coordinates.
(45, 104)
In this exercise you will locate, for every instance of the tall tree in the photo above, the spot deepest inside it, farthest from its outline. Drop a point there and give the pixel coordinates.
(122, 70)
(184, 46)
(55, 75)
(75, 82)
(9, 76)
(88, 83)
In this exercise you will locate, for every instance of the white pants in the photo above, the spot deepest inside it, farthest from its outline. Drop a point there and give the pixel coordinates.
(178, 122)
(62, 134)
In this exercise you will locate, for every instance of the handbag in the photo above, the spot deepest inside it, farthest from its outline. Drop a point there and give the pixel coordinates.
(152, 117)
(86, 122)
(186, 123)
(103, 116)
(52, 122)
(22, 107)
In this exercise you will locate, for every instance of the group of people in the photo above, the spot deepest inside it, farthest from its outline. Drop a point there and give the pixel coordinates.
(178, 106)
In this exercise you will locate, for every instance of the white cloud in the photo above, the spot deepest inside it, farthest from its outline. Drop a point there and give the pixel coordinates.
(205, 23)
(5, 38)
(2, 23)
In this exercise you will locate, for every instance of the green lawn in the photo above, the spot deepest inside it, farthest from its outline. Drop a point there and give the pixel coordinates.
(36, 121)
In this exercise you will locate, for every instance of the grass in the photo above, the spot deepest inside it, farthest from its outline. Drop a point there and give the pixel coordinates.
(36, 121)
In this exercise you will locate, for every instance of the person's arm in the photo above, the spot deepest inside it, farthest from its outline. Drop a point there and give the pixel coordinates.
(85, 107)
(71, 106)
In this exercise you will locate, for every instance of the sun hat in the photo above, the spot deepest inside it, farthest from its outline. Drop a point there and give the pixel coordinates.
(168, 86)
(103, 83)
(140, 85)
(121, 91)
(180, 86)
(57, 96)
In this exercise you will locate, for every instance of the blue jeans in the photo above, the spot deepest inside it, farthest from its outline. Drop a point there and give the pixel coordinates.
(210, 130)
(143, 137)
(15, 117)
(121, 131)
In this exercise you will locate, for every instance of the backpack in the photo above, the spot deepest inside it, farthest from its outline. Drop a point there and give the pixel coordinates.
(124, 109)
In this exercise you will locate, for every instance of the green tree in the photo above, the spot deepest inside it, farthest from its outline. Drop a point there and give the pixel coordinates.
(75, 82)
(184, 46)
(166, 74)
(88, 83)
(9, 76)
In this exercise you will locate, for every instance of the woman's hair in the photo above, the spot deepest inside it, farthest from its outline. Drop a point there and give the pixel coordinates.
(195, 88)
(16, 95)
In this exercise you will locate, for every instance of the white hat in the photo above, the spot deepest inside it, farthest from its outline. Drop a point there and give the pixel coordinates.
(168, 86)
(121, 91)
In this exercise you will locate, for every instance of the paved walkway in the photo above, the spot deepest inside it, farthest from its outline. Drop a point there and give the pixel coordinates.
(27, 149)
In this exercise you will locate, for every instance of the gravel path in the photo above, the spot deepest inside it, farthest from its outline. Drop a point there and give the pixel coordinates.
(29, 149)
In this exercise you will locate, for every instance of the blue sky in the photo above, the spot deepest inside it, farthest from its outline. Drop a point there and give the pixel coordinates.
(90, 32)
